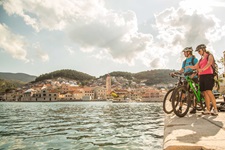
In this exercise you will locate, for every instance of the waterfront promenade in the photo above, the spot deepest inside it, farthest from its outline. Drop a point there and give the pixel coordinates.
(194, 132)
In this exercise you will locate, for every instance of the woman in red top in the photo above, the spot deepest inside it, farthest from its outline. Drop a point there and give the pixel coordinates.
(206, 78)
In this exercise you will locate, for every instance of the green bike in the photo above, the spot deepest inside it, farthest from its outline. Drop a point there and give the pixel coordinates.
(167, 101)
(186, 96)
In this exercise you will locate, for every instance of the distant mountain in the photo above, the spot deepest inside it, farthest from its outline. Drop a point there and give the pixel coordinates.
(22, 77)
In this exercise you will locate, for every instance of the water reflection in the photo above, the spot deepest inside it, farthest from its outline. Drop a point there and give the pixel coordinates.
(99, 125)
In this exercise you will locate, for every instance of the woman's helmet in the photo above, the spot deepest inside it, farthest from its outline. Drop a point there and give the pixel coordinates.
(201, 46)
(187, 49)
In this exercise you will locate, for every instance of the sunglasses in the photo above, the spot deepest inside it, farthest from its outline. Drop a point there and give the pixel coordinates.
(198, 50)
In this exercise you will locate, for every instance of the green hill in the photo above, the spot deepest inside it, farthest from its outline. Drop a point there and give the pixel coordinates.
(65, 73)
(21, 77)
(9, 84)
(151, 77)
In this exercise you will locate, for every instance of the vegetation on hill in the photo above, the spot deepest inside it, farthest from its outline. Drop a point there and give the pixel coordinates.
(65, 73)
(6, 85)
(17, 77)
(150, 78)
(126, 75)
(155, 76)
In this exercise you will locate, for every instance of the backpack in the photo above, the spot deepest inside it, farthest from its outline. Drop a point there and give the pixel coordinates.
(192, 60)
(214, 66)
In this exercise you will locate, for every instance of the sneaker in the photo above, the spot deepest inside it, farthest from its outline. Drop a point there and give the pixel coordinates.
(215, 112)
(184, 100)
(193, 111)
(180, 110)
(206, 112)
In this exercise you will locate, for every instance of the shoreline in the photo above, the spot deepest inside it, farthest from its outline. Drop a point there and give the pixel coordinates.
(86, 101)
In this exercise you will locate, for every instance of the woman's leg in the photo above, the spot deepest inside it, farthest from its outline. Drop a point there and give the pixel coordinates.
(207, 100)
(212, 98)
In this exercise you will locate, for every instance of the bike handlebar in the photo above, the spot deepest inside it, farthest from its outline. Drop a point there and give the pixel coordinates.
(175, 74)
(190, 72)
(178, 74)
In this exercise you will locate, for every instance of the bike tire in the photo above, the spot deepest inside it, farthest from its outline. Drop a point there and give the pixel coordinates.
(167, 102)
(178, 100)
(199, 106)
(216, 85)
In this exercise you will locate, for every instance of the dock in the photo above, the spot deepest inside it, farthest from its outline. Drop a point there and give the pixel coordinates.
(194, 132)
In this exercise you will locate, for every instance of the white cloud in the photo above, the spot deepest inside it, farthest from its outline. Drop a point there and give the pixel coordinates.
(88, 23)
(69, 49)
(116, 32)
(187, 25)
(180, 28)
(42, 55)
(12, 43)
(201, 6)
(100, 31)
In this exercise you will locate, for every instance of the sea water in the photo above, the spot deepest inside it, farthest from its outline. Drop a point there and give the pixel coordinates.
(81, 126)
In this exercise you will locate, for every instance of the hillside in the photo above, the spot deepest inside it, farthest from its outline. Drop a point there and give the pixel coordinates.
(8, 84)
(21, 77)
(150, 78)
(66, 73)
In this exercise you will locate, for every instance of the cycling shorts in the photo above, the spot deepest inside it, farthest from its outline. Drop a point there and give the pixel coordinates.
(206, 82)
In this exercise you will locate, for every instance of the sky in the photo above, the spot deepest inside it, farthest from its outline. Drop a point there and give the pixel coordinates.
(101, 36)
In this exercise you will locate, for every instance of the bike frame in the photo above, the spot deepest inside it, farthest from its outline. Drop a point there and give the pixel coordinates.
(195, 88)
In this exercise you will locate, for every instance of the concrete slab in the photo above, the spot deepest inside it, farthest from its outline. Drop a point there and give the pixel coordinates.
(203, 132)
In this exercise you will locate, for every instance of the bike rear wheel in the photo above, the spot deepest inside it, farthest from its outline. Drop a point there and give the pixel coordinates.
(167, 102)
(180, 101)
(216, 85)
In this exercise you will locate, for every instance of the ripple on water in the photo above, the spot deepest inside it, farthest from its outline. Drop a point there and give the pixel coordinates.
(81, 125)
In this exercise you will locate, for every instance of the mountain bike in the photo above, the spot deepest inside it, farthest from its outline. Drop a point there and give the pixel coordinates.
(186, 96)
(167, 105)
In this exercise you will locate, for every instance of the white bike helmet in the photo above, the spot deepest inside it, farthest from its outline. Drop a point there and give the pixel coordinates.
(187, 49)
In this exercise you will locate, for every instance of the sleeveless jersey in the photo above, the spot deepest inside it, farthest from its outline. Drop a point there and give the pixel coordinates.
(202, 64)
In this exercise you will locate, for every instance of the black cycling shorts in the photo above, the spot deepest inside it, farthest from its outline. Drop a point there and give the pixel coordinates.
(206, 82)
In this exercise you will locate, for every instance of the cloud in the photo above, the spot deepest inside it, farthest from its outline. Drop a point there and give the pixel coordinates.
(43, 56)
(202, 6)
(188, 25)
(115, 34)
(88, 23)
(119, 40)
(69, 49)
(13, 44)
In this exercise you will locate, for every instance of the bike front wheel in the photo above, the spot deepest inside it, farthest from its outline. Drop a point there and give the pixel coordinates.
(180, 101)
(167, 102)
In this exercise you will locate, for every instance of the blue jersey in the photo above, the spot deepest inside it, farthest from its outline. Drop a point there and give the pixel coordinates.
(188, 62)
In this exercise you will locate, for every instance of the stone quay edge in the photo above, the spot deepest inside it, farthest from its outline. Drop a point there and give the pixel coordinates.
(194, 132)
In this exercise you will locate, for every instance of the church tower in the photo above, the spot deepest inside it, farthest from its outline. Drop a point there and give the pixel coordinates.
(108, 84)
(224, 64)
